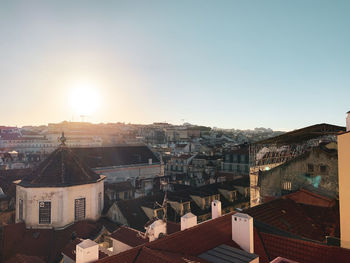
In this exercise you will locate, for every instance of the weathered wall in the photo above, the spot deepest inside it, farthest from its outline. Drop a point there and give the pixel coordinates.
(298, 174)
(62, 203)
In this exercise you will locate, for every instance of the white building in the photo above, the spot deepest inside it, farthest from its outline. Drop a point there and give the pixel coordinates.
(61, 191)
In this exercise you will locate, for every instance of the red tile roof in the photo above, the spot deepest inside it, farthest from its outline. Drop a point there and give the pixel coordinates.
(19, 258)
(172, 227)
(303, 251)
(268, 246)
(129, 236)
(190, 242)
(307, 221)
(307, 197)
(44, 243)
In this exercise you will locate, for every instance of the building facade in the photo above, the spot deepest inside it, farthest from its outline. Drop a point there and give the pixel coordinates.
(60, 191)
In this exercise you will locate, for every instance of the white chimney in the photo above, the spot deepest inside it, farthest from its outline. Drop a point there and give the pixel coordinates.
(242, 231)
(150, 161)
(215, 209)
(188, 220)
(348, 121)
(86, 251)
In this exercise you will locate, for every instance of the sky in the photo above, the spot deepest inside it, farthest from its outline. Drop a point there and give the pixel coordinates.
(229, 64)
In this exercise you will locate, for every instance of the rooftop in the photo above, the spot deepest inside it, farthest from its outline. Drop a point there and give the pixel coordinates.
(285, 228)
(304, 220)
(129, 236)
(227, 254)
(46, 244)
(97, 157)
(61, 168)
(193, 242)
(304, 134)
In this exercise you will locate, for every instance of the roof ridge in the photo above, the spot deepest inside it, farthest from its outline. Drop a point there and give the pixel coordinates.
(40, 173)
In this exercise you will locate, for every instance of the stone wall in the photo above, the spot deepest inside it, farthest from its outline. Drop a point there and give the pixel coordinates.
(297, 173)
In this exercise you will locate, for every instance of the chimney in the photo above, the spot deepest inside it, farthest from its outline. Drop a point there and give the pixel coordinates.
(150, 161)
(348, 121)
(188, 220)
(242, 231)
(215, 209)
(86, 251)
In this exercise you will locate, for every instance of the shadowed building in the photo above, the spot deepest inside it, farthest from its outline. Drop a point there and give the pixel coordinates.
(282, 150)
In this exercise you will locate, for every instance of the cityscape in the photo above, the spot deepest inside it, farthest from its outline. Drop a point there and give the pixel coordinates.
(174, 131)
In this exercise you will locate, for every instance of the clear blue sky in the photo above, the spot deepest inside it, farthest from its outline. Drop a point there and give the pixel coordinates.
(231, 64)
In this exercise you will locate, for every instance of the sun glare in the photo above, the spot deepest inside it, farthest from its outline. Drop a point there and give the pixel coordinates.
(84, 99)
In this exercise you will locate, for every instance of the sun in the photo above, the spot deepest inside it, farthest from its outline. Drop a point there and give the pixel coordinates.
(84, 99)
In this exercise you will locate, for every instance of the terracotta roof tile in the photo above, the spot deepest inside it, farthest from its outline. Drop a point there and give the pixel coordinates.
(44, 243)
(210, 234)
(19, 258)
(302, 220)
(129, 236)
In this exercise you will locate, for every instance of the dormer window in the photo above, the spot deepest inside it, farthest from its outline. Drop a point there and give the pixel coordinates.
(186, 208)
(159, 213)
(206, 202)
(233, 196)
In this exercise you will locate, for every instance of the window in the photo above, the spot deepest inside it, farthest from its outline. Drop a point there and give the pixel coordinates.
(310, 168)
(44, 212)
(79, 209)
(126, 195)
(287, 185)
(234, 158)
(233, 196)
(20, 210)
(206, 202)
(323, 169)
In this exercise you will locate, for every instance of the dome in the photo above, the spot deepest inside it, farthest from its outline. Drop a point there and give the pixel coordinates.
(61, 168)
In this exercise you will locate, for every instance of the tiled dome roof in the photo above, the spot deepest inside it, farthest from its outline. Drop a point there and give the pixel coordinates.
(61, 168)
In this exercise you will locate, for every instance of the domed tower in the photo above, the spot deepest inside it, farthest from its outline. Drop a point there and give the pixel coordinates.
(59, 192)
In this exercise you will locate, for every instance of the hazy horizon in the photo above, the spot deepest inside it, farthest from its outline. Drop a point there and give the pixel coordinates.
(229, 64)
